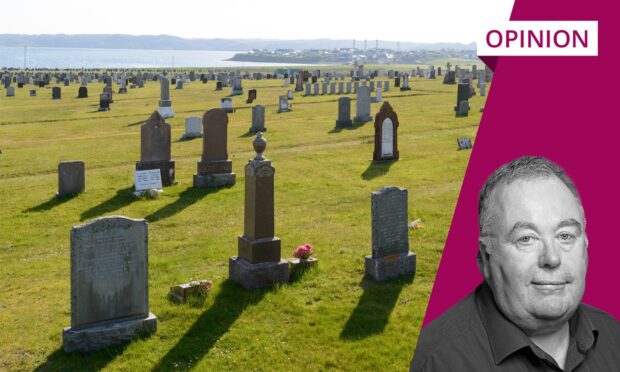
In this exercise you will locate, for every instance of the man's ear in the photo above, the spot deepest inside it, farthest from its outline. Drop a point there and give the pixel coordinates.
(483, 258)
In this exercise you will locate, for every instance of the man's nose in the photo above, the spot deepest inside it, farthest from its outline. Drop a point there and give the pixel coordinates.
(550, 255)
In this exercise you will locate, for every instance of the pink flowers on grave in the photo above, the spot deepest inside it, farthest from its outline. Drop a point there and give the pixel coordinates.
(303, 252)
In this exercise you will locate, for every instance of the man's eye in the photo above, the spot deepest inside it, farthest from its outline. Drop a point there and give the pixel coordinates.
(528, 239)
(565, 237)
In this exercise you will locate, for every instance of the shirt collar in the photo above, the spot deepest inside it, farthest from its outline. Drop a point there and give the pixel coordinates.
(505, 338)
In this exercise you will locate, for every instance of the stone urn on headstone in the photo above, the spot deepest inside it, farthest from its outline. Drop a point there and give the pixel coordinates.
(390, 240)
(109, 284)
(258, 263)
(155, 148)
(214, 167)
(386, 134)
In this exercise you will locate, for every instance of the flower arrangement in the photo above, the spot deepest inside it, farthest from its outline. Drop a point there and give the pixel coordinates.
(303, 252)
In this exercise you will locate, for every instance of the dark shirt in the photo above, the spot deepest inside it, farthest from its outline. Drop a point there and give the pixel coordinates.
(474, 335)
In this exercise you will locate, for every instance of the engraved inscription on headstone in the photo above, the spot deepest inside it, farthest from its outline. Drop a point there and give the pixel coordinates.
(389, 222)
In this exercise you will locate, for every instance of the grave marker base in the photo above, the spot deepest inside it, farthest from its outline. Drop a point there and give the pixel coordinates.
(214, 180)
(91, 339)
(256, 276)
(383, 268)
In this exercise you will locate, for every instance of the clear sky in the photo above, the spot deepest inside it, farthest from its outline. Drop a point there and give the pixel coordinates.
(394, 20)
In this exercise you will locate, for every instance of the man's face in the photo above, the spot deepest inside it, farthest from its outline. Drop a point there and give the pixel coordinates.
(536, 256)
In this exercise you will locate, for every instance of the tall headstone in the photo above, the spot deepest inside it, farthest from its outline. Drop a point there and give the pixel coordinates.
(10, 91)
(193, 127)
(462, 100)
(123, 86)
(258, 263)
(165, 104)
(214, 167)
(104, 102)
(405, 83)
(344, 112)
(251, 96)
(237, 87)
(258, 119)
(386, 134)
(155, 148)
(362, 105)
(390, 240)
(307, 93)
(109, 284)
(71, 178)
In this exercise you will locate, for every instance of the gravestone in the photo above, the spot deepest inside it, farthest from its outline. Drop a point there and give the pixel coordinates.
(324, 88)
(226, 104)
(386, 86)
(237, 88)
(315, 89)
(449, 77)
(438, 71)
(405, 83)
(356, 85)
(123, 86)
(344, 112)
(33, 92)
(56, 93)
(283, 105)
(483, 89)
(340, 87)
(386, 134)
(348, 90)
(165, 104)
(379, 96)
(214, 168)
(251, 96)
(83, 92)
(258, 119)
(109, 284)
(179, 84)
(299, 85)
(155, 148)
(362, 105)
(10, 91)
(193, 127)
(218, 85)
(462, 100)
(464, 143)
(396, 82)
(307, 93)
(258, 263)
(332, 88)
(390, 240)
(71, 178)
(290, 94)
(104, 102)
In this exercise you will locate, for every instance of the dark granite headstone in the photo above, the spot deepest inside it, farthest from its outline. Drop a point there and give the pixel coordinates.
(104, 102)
(251, 96)
(214, 167)
(155, 148)
(390, 240)
(83, 92)
(56, 93)
(71, 178)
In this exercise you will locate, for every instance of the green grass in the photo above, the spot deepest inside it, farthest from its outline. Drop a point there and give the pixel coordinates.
(329, 318)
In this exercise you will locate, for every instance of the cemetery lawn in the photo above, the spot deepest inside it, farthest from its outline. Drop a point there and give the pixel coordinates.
(328, 318)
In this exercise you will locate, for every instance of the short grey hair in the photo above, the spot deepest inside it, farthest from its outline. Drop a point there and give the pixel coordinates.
(525, 168)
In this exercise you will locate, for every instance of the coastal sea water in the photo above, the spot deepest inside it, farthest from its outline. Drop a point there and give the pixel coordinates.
(39, 57)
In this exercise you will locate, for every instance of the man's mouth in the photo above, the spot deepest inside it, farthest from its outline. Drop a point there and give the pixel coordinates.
(548, 287)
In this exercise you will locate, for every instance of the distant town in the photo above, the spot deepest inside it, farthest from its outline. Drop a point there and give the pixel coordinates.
(348, 55)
